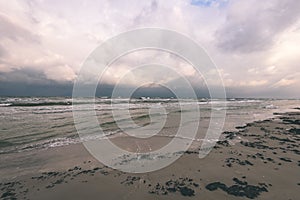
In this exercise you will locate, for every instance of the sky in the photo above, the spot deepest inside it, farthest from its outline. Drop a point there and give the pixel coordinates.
(255, 44)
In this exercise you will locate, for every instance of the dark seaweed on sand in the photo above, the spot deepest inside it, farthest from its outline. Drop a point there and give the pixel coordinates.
(185, 186)
(240, 189)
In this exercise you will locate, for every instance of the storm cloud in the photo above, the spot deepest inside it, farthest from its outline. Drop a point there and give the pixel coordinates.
(255, 44)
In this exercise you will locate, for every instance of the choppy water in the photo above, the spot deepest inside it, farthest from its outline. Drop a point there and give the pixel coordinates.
(38, 123)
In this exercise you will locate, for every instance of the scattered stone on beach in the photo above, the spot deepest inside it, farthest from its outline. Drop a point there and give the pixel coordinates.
(59, 181)
(63, 177)
(241, 127)
(191, 152)
(290, 121)
(257, 145)
(8, 194)
(241, 188)
(90, 172)
(262, 157)
(13, 190)
(286, 159)
(269, 143)
(230, 135)
(130, 180)
(295, 131)
(230, 161)
(223, 143)
(281, 139)
(185, 186)
(46, 175)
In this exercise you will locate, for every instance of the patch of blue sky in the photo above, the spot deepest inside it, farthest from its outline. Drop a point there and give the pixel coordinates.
(209, 3)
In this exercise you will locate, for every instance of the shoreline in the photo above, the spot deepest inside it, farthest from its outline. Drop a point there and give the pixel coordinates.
(264, 164)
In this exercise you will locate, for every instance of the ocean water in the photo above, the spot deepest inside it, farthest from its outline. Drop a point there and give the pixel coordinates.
(28, 123)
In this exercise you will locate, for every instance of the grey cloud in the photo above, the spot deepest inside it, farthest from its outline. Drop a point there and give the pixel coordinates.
(27, 89)
(24, 75)
(29, 82)
(13, 31)
(257, 28)
(29, 75)
(146, 12)
(2, 51)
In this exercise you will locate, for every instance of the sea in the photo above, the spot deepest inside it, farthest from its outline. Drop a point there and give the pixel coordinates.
(31, 123)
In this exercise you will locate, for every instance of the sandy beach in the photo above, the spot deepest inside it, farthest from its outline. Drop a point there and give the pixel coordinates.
(149, 100)
(259, 161)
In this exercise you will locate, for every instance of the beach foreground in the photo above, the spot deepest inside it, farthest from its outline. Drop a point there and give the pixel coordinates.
(260, 160)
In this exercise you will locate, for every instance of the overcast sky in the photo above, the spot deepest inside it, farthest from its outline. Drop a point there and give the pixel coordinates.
(255, 44)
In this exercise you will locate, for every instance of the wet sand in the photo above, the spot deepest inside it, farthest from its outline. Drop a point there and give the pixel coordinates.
(258, 161)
